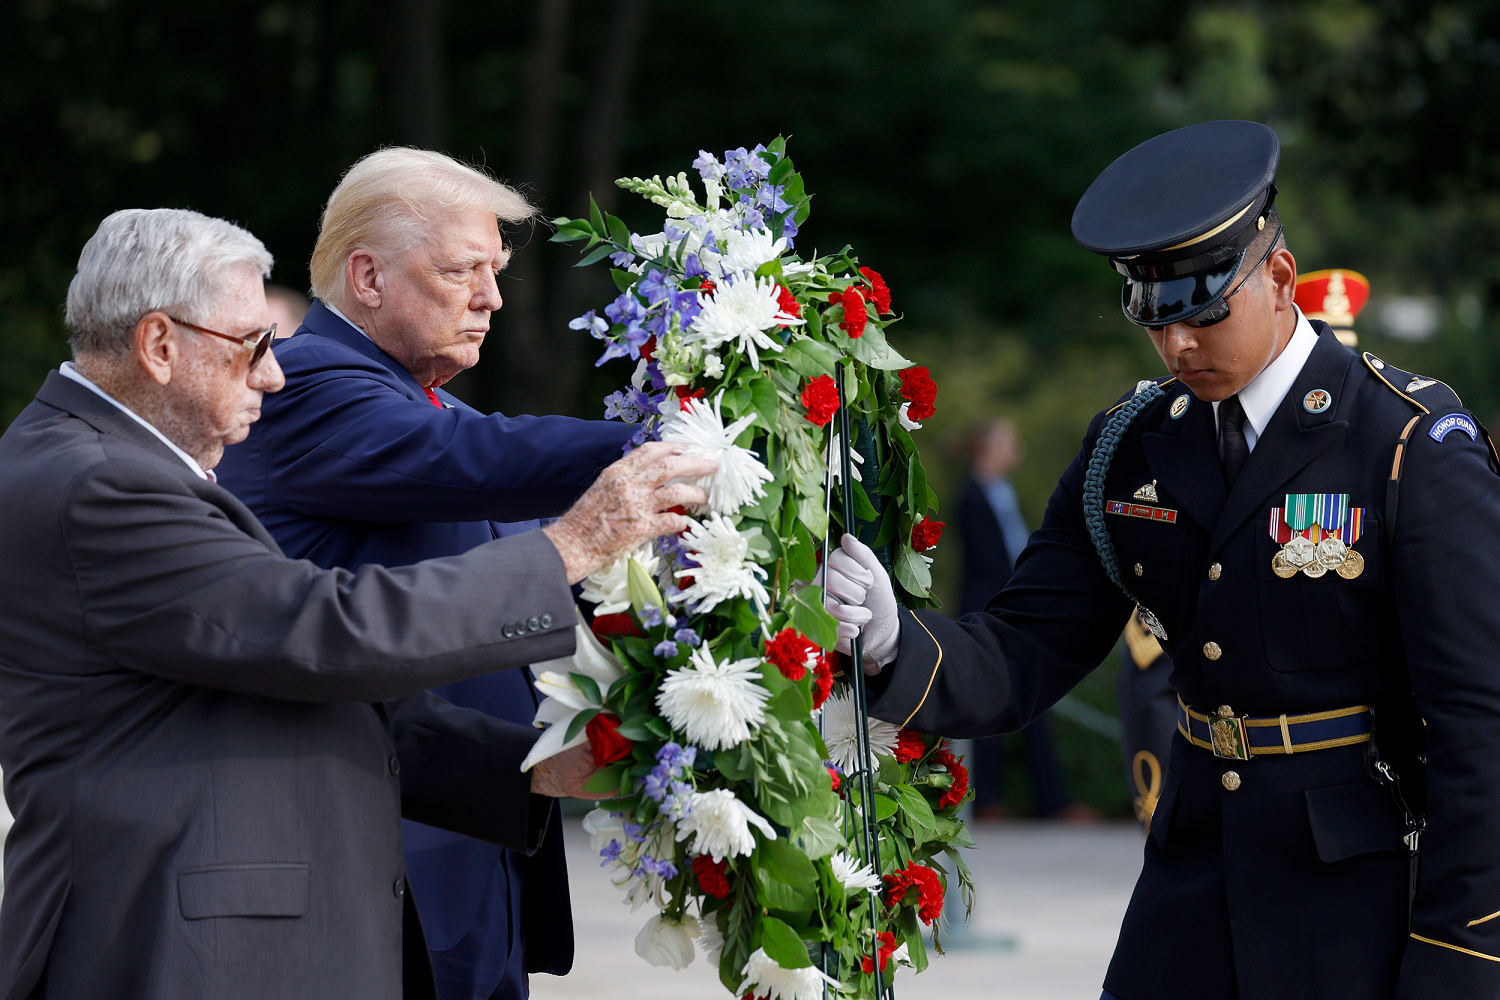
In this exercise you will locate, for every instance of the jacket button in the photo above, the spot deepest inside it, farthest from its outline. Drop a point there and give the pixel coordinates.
(399, 888)
(395, 764)
(1214, 571)
(546, 621)
(533, 623)
(1140, 570)
(1212, 651)
(1231, 781)
(507, 631)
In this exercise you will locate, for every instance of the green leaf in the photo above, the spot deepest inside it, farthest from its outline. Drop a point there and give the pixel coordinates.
(810, 358)
(596, 217)
(912, 571)
(605, 782)
(782, 944)
(600, 252)
(578, 722)
(618, 231)
(634, 728)
(587, 687)
(811, 513)
(820, 837)
(801, 555)
(813, 620)
(765, 402)
(885, 806)
(785, 879)
(622, 279)
(914, 807)
(872, 349)
(737, 764)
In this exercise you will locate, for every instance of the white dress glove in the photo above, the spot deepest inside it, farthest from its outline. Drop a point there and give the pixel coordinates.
(858, 594)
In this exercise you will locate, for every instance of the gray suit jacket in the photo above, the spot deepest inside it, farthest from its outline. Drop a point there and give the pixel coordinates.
(206, 794)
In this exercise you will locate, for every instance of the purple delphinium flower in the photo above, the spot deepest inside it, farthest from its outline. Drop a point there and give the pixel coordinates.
(665, 650)
(650, 616)
(610, 853)
(687, 637)
(708, 167)
(622, 258)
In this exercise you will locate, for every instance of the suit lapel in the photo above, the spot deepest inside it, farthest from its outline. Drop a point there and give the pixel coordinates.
(1183, 454)
(325, 323)
(1293, 438)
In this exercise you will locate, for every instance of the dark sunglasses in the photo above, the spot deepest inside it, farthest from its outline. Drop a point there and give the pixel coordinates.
(258, 343)
(1217, 311)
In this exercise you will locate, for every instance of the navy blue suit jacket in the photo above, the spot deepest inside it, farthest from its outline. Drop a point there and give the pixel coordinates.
(351, 464)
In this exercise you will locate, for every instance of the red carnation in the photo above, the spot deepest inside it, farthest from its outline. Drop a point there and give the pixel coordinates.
(880, 292)
(713, 876)
(604, 626)
(925, 534)
(909, 746)
(855, 316)
(833, 776)
(648, 349)
(886, 949)
(928, 886)
(821, 398)
(707, 288)
(822, 685)
(917, 385)
(788, 302)
(790, 650)
(608, 746)
(960, 787)
(684, 394)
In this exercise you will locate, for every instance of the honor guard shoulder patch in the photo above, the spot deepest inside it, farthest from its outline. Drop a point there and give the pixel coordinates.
(1453, 422)
(1426, 394)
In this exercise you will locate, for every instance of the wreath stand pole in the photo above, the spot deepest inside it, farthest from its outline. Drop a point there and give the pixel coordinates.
(869, 841)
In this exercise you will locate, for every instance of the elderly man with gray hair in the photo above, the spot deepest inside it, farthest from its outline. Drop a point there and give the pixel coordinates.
(366, 459)
(192, 726)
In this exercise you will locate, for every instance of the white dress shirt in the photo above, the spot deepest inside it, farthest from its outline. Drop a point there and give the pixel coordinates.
(69, 370)
(1264, 393)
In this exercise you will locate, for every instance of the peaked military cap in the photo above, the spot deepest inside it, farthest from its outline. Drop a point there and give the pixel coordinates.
(1175, 214)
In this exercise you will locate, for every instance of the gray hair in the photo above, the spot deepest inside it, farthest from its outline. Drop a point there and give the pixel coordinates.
(152, 258)
(385, 203)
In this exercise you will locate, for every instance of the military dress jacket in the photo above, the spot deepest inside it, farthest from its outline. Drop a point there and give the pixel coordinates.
(351, 464)
(1289, 879)
(206, 792)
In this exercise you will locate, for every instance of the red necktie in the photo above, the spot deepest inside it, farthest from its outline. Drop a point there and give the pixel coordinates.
(432, 398)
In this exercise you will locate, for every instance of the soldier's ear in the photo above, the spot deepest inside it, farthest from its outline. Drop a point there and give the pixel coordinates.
(155, 347)
(1281, 266)
(363, 271)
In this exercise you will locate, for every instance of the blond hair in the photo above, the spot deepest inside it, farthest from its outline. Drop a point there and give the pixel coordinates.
(388, 203)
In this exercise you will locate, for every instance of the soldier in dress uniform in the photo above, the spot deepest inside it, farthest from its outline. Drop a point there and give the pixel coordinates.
(1147, 703)
(1318, 560)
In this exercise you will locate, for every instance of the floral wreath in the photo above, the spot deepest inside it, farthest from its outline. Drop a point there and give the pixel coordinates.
(739, 765)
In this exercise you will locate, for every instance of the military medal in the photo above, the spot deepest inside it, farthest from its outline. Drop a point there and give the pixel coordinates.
(1317, 532)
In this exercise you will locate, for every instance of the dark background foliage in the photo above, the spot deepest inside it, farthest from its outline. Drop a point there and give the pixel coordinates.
(946, 140)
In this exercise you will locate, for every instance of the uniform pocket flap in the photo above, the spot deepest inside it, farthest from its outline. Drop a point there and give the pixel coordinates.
(263, 890)
(1357, 818)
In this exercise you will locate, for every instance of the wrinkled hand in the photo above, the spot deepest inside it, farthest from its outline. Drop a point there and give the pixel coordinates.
(564, 774)
(858, 593)
(630, 503)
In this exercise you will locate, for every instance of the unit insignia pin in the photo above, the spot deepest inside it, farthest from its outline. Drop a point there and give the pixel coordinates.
(1316, 401)
(1153, 624)
(1317, 532)
(1147, 492)
(1376, 362)
(1418, 382)
(1179, 406)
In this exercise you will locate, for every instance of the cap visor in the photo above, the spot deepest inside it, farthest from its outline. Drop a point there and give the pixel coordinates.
(1160, 303)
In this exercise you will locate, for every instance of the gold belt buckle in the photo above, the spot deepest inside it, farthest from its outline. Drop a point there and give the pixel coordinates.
(1227, 732)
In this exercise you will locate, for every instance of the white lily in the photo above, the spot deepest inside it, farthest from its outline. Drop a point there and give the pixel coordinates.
(563, 699)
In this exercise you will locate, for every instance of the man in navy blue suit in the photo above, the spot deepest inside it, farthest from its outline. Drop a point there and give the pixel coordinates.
(364, 459)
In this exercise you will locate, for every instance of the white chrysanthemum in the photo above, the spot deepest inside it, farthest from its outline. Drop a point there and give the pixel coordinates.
(699, 428)
(719, 824)
(714, 704)
(667, 942)
(746, 251)
(764, 978)
(905, 420)
(609, 588)
(836, 462)
(841, 733)
(710, 940)
(851, 874)
(723, 571)
(740, 313)
(562, 699)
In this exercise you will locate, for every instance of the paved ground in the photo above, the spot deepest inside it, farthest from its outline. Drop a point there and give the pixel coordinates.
(1049, 901)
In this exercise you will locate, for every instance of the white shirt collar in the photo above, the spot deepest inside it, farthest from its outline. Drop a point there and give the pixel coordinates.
(70, 371)
(335, 310)
(1264, 393)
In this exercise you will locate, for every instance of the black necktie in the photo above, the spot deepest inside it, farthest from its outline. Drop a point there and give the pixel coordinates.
(1232, 444)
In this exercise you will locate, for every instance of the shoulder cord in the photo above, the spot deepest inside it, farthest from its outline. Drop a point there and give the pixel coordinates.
(1146, 393)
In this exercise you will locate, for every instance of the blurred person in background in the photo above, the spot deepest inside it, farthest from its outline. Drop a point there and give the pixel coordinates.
(288, 306)
(992, 533)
